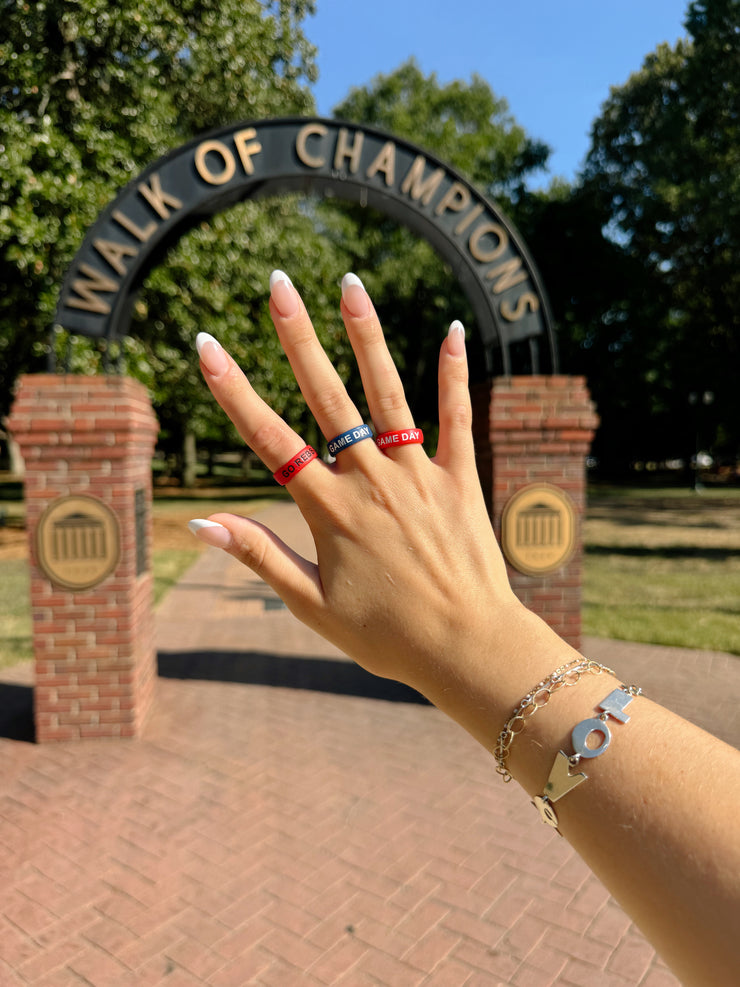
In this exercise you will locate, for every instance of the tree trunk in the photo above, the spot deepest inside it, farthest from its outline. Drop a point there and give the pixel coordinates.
(189, 459)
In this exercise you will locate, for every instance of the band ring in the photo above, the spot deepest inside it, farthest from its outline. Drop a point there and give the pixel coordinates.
(399, 437)
(348, 438)
(295, 465)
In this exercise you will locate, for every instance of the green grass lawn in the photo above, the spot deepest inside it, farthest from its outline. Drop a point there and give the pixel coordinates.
(660, 567)
(663, 567)
(15, 616)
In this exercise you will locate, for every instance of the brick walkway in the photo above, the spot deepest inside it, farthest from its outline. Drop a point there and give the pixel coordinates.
(289, 820)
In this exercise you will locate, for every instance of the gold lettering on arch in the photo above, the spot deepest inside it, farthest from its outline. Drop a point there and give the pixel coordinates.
(88, 289)
(507, 275)
(247, 146)
(385, 161)
(467, 220)
(528, 302)
(201, 163)
(113, 253)
(456, 198)
(346, 150)
(474, 243)
(301, 144)
(160, 201)
(130, 226)
(418, 187)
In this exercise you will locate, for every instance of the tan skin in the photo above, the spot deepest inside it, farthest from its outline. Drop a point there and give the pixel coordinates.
(410, 582)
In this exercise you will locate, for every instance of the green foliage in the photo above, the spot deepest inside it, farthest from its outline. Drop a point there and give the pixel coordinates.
(663, 178)
(465, 124)
(90, 93)
(414, 291)
(216, 279)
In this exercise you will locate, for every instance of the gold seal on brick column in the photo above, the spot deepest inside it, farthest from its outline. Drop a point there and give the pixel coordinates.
(538, 529)
(77, 542)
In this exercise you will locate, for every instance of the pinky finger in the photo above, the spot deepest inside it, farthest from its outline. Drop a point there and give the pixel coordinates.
(455, 448)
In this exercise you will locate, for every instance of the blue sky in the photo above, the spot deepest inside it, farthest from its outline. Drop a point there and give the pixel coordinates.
(553, 62)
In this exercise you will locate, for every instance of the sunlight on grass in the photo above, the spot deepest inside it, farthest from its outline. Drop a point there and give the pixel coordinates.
(663, 571)
(15, 613)
(659, 570)
(169, 566)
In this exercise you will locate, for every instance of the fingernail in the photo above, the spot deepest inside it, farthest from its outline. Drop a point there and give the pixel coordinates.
(354, 295)
(212, 354)
(456, 339)
(283, 294)
(211, 532)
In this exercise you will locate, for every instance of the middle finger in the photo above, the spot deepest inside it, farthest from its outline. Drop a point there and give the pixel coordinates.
(380, 379)
(320, 384)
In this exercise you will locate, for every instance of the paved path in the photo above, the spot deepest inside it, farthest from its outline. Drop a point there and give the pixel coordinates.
(287, 819)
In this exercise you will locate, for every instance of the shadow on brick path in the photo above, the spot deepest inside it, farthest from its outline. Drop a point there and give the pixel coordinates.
(286, 820)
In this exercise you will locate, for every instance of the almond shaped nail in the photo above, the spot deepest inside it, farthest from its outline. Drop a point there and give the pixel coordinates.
(211, 532)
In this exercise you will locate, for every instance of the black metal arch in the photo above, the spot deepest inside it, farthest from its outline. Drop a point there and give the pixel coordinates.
(313, 155)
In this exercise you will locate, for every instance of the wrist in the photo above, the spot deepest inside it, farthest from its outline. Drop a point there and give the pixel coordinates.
(481, 677)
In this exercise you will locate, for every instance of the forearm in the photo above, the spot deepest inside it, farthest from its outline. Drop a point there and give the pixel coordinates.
(642, 818)
(409, 581)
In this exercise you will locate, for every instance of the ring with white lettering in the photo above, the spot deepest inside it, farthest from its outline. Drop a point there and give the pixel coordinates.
(295, 465)
(400, 437)
(348, 438)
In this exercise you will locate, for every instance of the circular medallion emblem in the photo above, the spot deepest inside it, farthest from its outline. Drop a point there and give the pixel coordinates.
(77, 542)
(538, 529)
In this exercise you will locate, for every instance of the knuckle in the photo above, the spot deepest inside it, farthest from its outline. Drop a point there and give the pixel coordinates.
(267, 441)
(367, 331)
(392, 401)
(253, 555)
(303, 337)
(461, 417)
(331, 402)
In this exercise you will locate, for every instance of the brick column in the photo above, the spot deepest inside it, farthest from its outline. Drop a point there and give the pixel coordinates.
(538, 430)
(92, 439)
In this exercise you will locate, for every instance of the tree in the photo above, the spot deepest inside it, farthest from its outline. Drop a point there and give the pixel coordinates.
(663, 177)
(415, 293)
(89, 94)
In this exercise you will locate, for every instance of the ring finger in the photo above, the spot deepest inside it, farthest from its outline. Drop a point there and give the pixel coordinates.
(381, 382)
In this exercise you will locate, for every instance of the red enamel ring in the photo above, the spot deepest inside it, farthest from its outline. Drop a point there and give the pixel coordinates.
(401, 437)
(295, 465)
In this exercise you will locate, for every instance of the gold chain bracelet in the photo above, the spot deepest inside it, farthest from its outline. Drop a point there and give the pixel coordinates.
(536, 698)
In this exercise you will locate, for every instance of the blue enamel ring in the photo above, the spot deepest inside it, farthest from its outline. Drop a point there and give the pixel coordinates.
(340, 442)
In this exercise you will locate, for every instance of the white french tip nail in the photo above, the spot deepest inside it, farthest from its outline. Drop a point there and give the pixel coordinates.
(279, 276)
(211, 532)
(202, 338)
(351, 279)
(197, 524)
(456, 339)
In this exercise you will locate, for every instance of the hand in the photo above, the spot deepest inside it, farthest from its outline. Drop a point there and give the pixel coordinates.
(409, 580)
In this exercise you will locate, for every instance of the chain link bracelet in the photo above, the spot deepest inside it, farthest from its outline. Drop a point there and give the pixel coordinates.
(536, 698)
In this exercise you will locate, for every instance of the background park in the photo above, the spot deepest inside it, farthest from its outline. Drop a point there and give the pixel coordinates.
(639, 254)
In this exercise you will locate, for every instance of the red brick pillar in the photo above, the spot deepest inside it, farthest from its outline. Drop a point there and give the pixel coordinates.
(532, 438)
(87, 444)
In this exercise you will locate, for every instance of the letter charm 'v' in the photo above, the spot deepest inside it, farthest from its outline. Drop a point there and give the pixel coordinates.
(561, 781)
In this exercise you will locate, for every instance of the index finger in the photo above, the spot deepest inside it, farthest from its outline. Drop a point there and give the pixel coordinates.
(263, 430)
